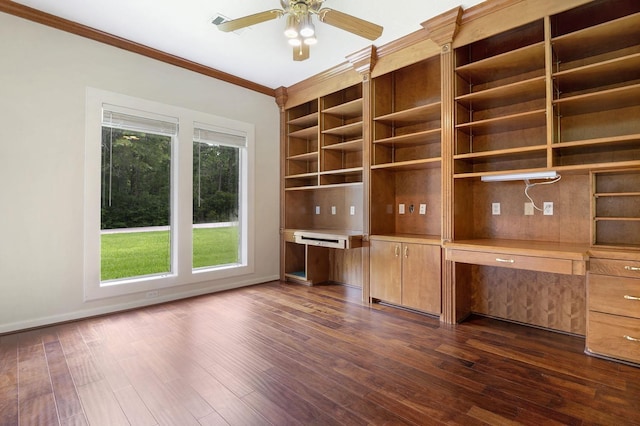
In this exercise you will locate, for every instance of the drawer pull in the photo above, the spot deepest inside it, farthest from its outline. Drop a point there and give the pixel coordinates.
(397, 250)
(632, 339)
(632, 268)
(505, 260)
(629, 297)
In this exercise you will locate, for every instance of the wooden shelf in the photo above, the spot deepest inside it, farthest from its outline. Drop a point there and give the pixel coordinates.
(507, 123)
(515, 62)
(631, 140)
(351, 171)
(419, 138)
(609, 34)
(306, 133)
(309, 156)
(347, 130)
(509, 94)
(520, 151)
(425, 163)
(620, 97)
(418, 114)
(305, 120)
(583, 78)
(348, 109)
(348, 146)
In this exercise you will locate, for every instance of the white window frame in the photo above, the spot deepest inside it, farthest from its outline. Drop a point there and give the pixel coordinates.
(181, 198)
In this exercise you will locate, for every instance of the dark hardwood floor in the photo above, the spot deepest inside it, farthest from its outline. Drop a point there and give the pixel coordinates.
(285, 354)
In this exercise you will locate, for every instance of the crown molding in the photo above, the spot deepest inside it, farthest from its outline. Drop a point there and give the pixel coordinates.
(443, 28)
(66, 25)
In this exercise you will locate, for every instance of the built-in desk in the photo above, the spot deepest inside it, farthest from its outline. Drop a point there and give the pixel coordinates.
(308, 258)
(557, 258)
(530, 282)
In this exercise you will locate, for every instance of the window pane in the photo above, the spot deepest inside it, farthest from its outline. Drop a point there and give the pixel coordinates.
(136, 204)
(216, 236)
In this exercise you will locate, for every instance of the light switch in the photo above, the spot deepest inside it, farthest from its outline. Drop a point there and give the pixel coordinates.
(333, 209)
(400, 208)
(495, 209)
(317, 209)
(352, 210)
(423, 209)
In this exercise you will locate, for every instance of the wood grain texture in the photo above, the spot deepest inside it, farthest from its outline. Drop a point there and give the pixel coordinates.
(542, 299)
(283, 354)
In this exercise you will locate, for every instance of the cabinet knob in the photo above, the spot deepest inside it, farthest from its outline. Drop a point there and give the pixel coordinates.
(397, 251)
(406, 251)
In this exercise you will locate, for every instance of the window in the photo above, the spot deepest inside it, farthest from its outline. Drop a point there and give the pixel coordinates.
(167, 200)
(135, 220)
(216, 197)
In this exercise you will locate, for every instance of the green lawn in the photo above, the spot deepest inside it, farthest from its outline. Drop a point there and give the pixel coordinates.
(134, 254)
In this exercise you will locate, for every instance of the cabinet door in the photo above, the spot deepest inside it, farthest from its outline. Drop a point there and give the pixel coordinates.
(421, 277)
(386, 271)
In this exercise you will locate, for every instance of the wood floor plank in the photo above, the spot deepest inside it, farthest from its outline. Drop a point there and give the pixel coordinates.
(38, 410)
(64, 389)
(285, 354)
(133, 407)
(9, 380)
(100, 404)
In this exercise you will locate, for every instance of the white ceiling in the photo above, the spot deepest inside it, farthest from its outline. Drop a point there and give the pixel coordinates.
(260, 53)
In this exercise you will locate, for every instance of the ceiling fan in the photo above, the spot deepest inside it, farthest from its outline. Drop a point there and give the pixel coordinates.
(299, 27)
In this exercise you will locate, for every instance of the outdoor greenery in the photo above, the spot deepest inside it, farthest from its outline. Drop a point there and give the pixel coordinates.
(132, 254)
(136, 180)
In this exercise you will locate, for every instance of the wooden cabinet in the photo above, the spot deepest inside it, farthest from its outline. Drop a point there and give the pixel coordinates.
(512, 89)
(323, 188)
(501, 103)
(613, 326)
(596, 94)
(616, 208)
(406, 274)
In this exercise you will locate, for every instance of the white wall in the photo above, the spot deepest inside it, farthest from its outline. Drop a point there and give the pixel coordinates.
(43, 77)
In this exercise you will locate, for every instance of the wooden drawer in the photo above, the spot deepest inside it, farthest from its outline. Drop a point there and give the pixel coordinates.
(621, 268)
(506, 260)
(614, 295)
(614, 336)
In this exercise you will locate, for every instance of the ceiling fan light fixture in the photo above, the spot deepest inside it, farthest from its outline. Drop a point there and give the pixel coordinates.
(295, 41)
(291, 30)
(310, 41)
(306, 26)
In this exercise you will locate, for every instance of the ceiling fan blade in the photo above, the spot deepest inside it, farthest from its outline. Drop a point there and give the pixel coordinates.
(350, 23)
(300, 53)
(249, 20)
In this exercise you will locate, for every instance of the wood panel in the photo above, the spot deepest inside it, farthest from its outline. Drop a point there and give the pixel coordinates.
(421, 277)
(570, 222)
(386, 271)
(547, 300)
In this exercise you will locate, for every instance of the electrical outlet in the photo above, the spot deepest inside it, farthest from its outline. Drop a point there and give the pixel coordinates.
(495, 209)
(423, 209)
(151, 294)
(528, 209)
(352, 210)
(400, 208)
(317, 209)
(333, 209)
(547, 208)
